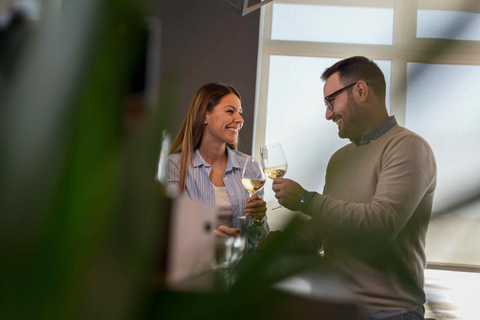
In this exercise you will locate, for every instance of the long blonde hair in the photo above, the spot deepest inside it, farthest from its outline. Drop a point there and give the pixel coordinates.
(190, 135)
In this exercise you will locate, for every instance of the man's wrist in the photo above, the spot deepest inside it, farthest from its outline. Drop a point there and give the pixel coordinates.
(305, 199)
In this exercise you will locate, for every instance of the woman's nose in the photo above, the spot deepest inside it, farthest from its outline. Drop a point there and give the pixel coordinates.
(239, 119)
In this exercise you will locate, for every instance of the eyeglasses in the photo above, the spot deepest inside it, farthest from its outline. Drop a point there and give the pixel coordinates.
(329, 99)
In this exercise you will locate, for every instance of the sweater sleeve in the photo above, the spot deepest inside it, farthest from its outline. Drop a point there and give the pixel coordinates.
(407, 173)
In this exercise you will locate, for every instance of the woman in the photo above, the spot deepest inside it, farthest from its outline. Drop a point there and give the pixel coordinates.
(204, 164)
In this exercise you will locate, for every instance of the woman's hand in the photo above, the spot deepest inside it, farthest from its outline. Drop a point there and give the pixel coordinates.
(226, 232)
(256, 207)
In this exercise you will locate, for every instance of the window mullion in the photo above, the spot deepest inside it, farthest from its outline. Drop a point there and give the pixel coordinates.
(404, 25)
(263, 67)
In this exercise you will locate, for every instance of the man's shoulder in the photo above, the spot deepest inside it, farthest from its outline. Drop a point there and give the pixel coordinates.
(403, 135)
(343, 151)
(403, 141)
(395, 137)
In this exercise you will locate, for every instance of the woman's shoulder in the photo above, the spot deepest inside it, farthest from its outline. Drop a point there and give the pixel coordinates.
(175, 157)
(240, 157)
(239, 154)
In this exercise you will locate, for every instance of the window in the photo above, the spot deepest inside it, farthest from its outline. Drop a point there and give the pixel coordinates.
(429, 51)
(438, 24)
(310, 22)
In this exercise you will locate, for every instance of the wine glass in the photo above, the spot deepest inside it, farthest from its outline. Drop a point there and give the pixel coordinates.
(253, 177)
(274, 162)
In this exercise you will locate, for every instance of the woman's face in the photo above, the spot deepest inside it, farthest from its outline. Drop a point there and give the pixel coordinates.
(225, 120)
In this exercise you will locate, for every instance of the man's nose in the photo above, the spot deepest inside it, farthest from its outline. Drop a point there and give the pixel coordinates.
(328, 114)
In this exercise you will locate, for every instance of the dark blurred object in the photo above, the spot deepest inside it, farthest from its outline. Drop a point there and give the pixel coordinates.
(144, 84)
(284, 286)
(258, 304)
(298, 243)
(135, 107)
(17, 22)
(268, 285)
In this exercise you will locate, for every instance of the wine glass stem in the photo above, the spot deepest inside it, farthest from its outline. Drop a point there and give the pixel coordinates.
(250, 217)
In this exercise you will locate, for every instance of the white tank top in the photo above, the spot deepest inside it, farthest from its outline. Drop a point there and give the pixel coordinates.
(223, 206)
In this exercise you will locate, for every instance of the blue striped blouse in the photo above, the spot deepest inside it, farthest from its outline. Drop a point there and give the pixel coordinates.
(199, 187)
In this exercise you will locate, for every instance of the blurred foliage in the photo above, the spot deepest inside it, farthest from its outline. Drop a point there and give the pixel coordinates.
(80, 210)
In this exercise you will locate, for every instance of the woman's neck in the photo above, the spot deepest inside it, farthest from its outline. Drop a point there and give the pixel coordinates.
(215, 154)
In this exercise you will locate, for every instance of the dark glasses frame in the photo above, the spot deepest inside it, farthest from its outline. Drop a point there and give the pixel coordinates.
(329, 99)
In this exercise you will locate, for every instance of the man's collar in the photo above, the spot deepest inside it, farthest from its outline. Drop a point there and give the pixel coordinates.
(378, 131)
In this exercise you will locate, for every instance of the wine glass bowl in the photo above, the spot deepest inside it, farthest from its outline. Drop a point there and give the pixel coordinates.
(273, 173)
(253, 185)
(253, 177)
(274, 162)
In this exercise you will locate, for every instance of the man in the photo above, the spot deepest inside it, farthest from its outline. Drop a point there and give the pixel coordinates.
(373, 215)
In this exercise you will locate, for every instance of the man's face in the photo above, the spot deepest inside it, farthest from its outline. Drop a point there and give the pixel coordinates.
(345, 109)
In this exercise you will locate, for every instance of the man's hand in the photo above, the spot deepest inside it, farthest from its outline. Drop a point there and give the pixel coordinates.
(288, 193)
(256, 207)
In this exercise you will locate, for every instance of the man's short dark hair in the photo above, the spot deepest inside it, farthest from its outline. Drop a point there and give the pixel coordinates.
(359, 68)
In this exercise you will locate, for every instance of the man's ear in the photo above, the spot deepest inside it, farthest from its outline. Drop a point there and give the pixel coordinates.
(361, 91)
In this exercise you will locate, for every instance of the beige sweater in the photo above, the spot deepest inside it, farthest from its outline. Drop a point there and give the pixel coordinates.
(374, 215)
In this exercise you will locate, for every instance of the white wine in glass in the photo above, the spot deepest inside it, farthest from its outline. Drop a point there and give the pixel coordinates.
(274, 162)
(273, 173)
(253, 178)
(253, 185)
